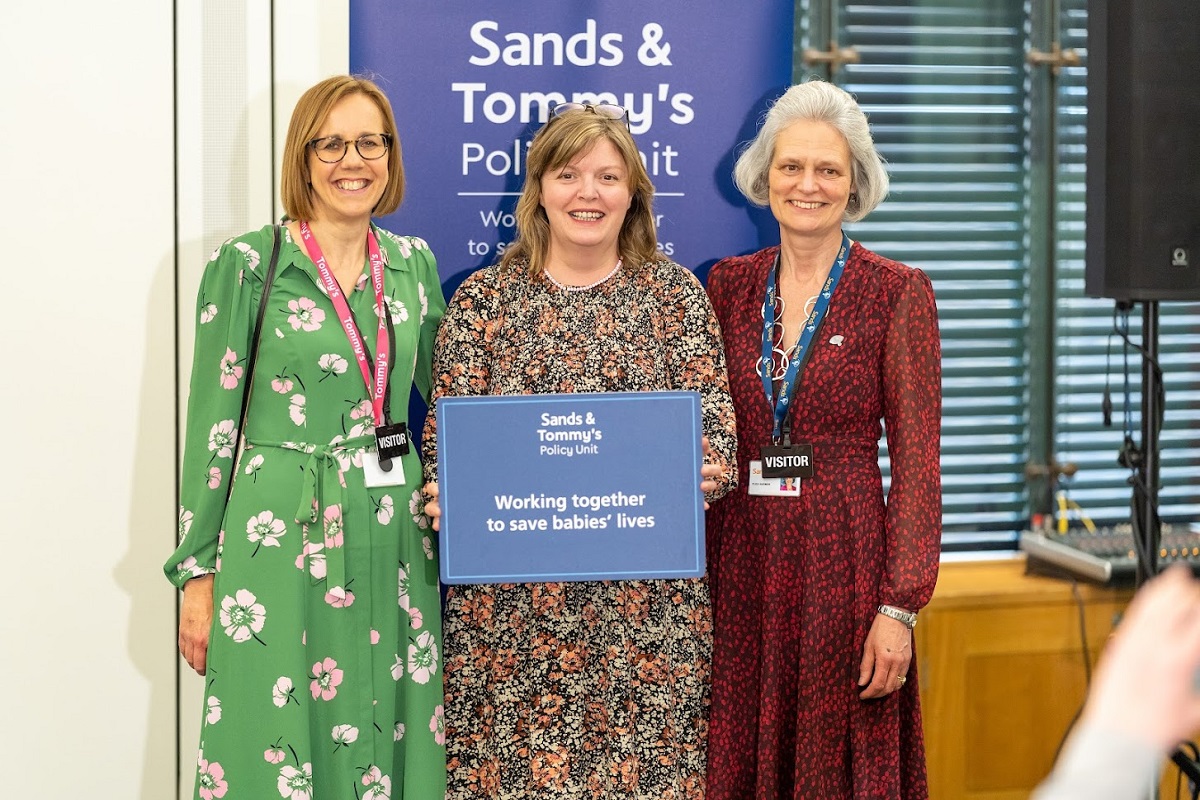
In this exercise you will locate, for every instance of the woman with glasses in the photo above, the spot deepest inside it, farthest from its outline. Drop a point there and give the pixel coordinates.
(816, 586)
(582, 689)
(310, 597)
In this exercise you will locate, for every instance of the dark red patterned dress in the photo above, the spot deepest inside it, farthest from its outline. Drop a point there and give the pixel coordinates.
(795, 582)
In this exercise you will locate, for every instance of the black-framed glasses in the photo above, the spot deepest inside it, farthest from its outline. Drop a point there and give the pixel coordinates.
(606, 110)
(332, 149)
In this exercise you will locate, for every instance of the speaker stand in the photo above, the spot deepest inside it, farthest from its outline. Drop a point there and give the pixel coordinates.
(1147, 526)
(1147, 531)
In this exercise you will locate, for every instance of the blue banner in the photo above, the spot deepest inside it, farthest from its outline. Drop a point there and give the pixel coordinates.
(570, 487)
(471, 82)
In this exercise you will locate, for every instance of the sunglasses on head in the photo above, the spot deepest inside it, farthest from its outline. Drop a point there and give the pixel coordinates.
(606, 110)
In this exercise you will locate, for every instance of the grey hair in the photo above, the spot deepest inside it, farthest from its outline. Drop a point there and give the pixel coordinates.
(819, 101)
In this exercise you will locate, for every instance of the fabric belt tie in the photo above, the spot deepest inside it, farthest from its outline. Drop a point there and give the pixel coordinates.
(323, 480)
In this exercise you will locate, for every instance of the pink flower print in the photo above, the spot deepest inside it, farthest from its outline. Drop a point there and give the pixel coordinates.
(214, 477)
(273, 755)
(252, 257)
(212, 780)
(379, 786)
(403, 245)
(208, 313)
(396, 309)
(344, 735)
(365, 417)
(220, 548)
(222, 438)
(398, 670)
(282, 384)
(243, 616)
(384, 509)
(316, 559)
(415, 618)
(333, 526)
(347, 457)
(339, 599)
(254, 465)
(264, 530)
(437, 725)
(332, 364)
(191, 567)
(231, 373)
(282, 693)
(296, 409)
(326, 678)
(422, 658)
(427, 546)
(416, 507)
(374, 636)
(403, 585)
(213, 715)
(424, 301)
(295, 784)
(185, 522)
(305, 314)
(398, 732)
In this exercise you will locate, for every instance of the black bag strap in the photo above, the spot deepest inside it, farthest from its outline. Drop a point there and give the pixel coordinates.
(268, 279)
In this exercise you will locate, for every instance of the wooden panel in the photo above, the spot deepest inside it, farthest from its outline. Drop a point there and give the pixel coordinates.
(1003, 674)
(1018, 706)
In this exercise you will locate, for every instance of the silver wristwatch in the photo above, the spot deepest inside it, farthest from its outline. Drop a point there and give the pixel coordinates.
(909, 618)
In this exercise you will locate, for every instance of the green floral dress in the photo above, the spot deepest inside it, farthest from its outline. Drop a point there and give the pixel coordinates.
(311, 693)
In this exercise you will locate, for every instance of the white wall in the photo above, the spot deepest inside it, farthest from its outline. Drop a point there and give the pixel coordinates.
(88, 401)
(88, 330)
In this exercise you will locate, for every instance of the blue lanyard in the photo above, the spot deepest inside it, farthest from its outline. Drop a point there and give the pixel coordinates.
(787, 385)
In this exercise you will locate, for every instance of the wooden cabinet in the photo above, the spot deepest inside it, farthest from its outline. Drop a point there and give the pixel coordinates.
(1003, 673)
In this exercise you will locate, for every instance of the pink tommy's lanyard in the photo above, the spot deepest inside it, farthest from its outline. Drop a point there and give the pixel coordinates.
(378, 389)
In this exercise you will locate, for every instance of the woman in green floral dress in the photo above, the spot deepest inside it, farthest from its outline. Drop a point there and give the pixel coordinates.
(310, 594)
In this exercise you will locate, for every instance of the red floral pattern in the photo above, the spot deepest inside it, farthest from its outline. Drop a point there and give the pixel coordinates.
(795, 581)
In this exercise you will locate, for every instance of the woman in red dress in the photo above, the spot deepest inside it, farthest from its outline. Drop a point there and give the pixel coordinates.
(815, 592)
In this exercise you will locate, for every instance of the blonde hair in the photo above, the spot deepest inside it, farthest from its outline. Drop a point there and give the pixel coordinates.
(818, 101)
(312, 109)
(560, 140)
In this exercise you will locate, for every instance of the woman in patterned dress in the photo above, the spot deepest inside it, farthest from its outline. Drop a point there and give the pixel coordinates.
(595, 689)
(321, 659)
(815, 589)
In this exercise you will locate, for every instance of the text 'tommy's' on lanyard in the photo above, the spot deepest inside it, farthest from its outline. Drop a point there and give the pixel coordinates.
(378, 387)
(790, 377)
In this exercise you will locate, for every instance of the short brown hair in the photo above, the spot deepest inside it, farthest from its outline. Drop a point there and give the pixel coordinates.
(560, 140)
(312, 109)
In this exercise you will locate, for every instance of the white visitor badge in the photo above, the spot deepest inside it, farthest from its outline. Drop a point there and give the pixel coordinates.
(375, 477)
(772, 487)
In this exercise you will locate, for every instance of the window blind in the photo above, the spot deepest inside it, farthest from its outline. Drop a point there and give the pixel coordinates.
(942, 84)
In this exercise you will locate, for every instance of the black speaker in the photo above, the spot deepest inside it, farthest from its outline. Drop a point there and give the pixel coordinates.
(1143, 150)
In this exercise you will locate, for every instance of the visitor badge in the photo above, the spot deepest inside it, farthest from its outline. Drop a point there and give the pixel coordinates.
(787, 486)
(376, 476)
(787, 461)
